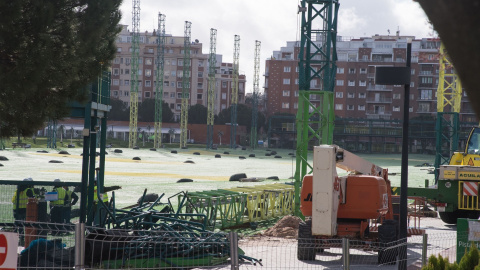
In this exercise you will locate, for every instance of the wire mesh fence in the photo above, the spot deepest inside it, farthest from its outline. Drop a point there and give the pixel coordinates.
(64, 246)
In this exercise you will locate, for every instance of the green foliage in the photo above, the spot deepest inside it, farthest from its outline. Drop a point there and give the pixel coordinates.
(49, 52)
(197, 114)
(244, 117)
(468, 262)
(119, 111)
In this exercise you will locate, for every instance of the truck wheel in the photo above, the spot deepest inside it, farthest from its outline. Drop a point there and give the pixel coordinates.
(306, 242)
(449, 217)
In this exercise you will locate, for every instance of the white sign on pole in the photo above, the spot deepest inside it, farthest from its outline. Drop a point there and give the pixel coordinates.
(8, 250)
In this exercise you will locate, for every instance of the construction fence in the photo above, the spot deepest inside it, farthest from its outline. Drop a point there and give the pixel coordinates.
(60, 246)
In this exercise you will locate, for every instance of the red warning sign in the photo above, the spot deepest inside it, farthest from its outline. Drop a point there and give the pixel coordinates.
(470, 188)
(8, 251)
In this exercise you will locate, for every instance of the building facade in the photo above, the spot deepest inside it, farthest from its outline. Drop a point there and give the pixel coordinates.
(173, 72)
(356, 94)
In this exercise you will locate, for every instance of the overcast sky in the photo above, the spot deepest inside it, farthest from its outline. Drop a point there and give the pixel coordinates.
(273, 22)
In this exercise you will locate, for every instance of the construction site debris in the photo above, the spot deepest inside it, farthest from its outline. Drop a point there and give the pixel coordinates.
(287, 227)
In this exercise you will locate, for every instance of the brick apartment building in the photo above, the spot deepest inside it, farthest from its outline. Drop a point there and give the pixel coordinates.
(173, 73)
(356, 95)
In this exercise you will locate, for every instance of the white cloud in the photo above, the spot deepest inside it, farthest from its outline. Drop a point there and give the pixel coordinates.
(349, 21)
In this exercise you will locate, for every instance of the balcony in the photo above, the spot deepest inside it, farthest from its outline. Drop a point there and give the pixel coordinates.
(379, 113)
(425, 72)
(379, 88)
(371, 75)
(379, 100)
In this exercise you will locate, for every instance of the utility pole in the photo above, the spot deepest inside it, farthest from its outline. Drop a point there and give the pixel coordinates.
(157, 139)
(185, 85)
(132, 137)
(256, 71)
(212, 62)
(234, 98)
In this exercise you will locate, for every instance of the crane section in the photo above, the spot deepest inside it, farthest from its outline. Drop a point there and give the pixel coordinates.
(234, 101)
(132, 137)
(317, 68)
(212, 62)
(157, 140)
(256, 71)
(185, 85)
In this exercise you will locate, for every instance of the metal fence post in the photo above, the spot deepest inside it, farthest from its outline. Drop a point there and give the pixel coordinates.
(424, 249)
(346, 253)
(234, 250)
(80, 246)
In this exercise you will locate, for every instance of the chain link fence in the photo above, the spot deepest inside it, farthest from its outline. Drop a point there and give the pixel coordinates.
(62, 246)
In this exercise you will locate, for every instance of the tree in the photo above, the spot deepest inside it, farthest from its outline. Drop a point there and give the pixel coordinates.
(197, 114)
(146, 111)
(119, 110)
(244, 117)
(49, 53)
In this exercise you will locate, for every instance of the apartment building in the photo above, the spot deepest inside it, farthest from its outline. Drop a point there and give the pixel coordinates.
(173, 72)
(356, 94)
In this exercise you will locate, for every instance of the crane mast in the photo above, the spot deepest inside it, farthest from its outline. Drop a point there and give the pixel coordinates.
(212, 62)
(317, 65)
(256, 71)
(132, 137)
(449, 100)
(185, 85)
(234, 98)
(157, 139)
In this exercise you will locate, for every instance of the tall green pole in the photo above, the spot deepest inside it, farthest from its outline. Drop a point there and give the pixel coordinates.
(256, 71)
(212, 62)
(157, 141)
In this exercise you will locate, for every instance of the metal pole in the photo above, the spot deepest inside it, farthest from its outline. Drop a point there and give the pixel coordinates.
(234, 250)
(424, 249)
(404, 177)
(79, 245)
(346, 253)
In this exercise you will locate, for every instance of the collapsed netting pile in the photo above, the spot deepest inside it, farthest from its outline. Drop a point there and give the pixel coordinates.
(287, 227)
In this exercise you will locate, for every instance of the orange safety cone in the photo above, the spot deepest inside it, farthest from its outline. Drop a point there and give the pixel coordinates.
(32, 216)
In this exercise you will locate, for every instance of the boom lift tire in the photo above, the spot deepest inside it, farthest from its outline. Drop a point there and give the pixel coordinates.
(306, 242)
(451, 217)
(388, 236)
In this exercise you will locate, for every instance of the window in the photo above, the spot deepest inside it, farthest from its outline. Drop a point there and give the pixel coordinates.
(179, 84)
(362, 83)
(173, 73)
(428, 80)
(286, 69)
(286, 81)
(340, 70)
(172, 95)
(224, 106)
(115, 93)
(296, 93)
(410, 109)
(119, 49)
(139, 72)
(295, 105)
(179, 106)
(412, 84)
(286, 93)
(148, 72)
(200, 63)
(179, 95)
(426, 94)
(166, 83)
(431, 57)
(339, 94)
(351, 83)
(165, 94)
(148, 61)
(285, 105)
(116, 82)
(180, 62)
(199, 96)
(338, 107)
(224, 95)
(296, 70)
(148, 83)
(127, 71)
(396, 108)
(296, 81)
(396, 96)
(339, 82)
(117, 60)
(412, 71)
(199, 85)
(174, 62)
(126, 93)
(224, 84)
(363, 71)
(127, 82)
(147, 94)
(361, 107)
(200, 74)
(412, 97)
(350, 107)
(351, 71)
(361, 95)
(351, 95)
